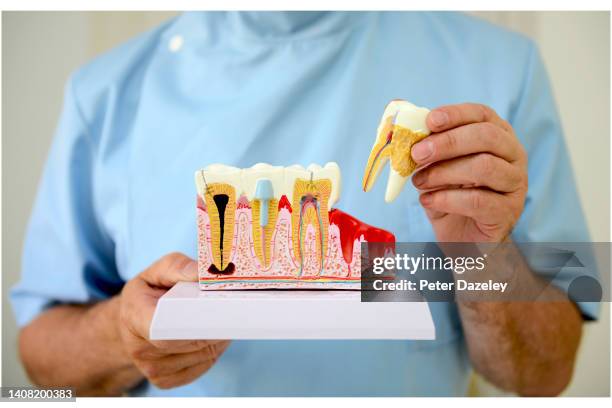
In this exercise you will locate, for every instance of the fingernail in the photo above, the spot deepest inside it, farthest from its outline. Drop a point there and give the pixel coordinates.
(426, 199)
(419, 178)
(438, 118)
(422, 150)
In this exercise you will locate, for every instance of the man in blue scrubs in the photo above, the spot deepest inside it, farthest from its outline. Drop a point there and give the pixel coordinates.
(117, 197)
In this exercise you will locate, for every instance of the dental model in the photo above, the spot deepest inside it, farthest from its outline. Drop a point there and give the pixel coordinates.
(402, 125)
(273, 227)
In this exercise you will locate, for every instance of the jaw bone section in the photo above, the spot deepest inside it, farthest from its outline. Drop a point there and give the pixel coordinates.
(402, 125)
(273, 227)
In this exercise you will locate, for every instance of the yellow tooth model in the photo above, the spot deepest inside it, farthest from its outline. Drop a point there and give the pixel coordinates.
(402, 125)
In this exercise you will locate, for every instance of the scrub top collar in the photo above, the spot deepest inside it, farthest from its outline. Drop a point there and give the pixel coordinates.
(249, 27)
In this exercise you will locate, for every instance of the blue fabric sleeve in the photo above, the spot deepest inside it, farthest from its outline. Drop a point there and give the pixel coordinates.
(66, 257)
(553, 212)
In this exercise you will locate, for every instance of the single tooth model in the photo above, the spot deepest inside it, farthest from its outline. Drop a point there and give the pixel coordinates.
(274, 227)
(264, 193)
(402, 125)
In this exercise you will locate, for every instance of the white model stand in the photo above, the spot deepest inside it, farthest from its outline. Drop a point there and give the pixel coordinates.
(186, 312)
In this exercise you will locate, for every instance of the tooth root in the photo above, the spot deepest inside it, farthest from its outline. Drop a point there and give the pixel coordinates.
(262, 237)
(274, 178)
(222, 218)
(379, 155)
(395, 184)
(373, 169)
(309, 205)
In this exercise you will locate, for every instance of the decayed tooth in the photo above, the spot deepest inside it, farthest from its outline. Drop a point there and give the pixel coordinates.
(309, 201)
(260, 175)
(402, 125)
(220, 186)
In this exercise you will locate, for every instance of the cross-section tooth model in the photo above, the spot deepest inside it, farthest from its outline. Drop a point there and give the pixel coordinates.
(274, 227)
(402, 125)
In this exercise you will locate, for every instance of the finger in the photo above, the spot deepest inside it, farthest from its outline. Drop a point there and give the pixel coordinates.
(138, 301)
(481, 205)
(140, 298)
(467, 139)
(183, 346)
(478, 170)
(435, 215)
(170, 269)
(451, 116)
(175, 362)
(182, 377)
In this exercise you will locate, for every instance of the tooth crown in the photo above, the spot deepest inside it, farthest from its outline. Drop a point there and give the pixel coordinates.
(269, 227)
(402, 125)
(283, 179)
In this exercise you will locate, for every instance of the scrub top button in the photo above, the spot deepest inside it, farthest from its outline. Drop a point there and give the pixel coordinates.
(176, 43)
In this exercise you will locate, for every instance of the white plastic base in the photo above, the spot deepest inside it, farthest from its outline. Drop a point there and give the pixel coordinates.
(186, 312)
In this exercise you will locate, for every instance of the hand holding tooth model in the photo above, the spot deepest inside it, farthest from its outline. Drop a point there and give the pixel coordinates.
(471, 167)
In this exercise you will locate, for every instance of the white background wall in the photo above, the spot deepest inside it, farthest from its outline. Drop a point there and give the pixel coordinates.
(41, 49)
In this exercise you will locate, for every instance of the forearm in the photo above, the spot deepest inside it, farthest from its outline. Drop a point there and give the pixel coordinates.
(524, 346)
(79, 347)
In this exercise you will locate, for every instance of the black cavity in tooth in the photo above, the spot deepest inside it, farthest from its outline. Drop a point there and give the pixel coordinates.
(229, 269)
(221, 201)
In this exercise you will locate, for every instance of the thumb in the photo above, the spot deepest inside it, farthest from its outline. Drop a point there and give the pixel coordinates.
(170, 269)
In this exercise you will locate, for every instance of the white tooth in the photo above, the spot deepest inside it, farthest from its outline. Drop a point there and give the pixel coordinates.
(390, 110)
(394, 185)
(276, 174)
(330, 171)
(219, 173)
(412, 117)
(408, 115)
(313, 167)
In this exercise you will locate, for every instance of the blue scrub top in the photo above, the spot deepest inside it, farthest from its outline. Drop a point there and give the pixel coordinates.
(284, 88)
